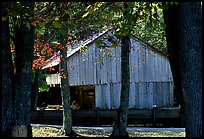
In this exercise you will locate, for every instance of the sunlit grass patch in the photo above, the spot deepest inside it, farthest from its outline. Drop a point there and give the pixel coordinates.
(54, 132)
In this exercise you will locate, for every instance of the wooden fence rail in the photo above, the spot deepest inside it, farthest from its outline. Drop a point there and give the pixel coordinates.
(101, 116)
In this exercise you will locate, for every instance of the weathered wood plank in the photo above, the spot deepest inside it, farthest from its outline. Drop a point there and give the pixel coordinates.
(90, 67)
(171, 90)
(77, 68)
(113, 66)
(118, 64)
(141, 65)
(97, 65)
(137, 98)
(132, 95)
(86, 64)
(107, 96)
(141, 95)
(94, 63)
(98, 96)
(150, 94)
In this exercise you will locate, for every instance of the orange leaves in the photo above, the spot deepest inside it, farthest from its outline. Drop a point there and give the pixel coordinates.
(63, 75)
(12, 49)
(51, 69)
(37, 62)
(12, 46)
(49, 52)
(61, 47)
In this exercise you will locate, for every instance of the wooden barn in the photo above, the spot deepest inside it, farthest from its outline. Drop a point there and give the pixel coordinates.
(95, 74)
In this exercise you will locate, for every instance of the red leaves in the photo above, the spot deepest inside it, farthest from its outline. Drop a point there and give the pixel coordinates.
(38, 36)
(37, 62)
(63, 75)
(72, 67)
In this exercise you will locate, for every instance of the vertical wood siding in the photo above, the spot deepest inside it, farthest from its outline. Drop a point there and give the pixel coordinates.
(151, 81)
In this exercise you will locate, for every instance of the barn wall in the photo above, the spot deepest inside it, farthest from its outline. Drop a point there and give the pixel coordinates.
(142, 95)
(98, 66)
(150, 76)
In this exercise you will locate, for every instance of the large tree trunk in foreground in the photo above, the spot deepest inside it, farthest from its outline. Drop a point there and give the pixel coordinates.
(190, 59)
(24, 42)
(120, 125)
(171, 19)
(190, 53)
(7, 80)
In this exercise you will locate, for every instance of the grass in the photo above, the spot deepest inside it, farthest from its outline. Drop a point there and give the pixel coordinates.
(54, 132)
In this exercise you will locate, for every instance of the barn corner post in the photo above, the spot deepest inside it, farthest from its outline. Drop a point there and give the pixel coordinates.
(24, 47)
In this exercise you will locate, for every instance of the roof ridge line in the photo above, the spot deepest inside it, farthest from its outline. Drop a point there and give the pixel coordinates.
(86, 42)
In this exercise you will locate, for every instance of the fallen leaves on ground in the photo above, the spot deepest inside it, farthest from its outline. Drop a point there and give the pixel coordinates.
(54, 132)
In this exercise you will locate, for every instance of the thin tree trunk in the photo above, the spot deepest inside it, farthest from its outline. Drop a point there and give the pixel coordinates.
(35, 90)
(7, 80)
(120, 125)
(121, 121)
(65, 93)
(190, 53)
(23, 78)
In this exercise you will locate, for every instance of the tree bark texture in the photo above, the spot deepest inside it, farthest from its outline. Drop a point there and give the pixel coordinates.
(121, 121)
(35, 90)
(190, 53)
(65, 92)
(120, 126)
(171, 19)
(7, 81)
(24, 42)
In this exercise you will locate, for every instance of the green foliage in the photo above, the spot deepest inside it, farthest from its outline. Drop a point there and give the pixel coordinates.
(152, 31)
(43, 84)
(143, 19)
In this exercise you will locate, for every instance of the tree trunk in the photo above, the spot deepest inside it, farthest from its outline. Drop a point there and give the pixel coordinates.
(24, 42)
(65, 93)
(121, 121)
(188, 27)
(120, 125)
(7, 80)
(171, 19)
(35, 90)
(190, 53)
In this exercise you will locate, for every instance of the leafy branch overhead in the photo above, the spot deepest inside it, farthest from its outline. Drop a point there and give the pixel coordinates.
(144, 19)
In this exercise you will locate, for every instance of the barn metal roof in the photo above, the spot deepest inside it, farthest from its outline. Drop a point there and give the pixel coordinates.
(55, 60)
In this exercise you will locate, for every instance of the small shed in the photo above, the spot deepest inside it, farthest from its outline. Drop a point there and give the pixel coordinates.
(95, 74)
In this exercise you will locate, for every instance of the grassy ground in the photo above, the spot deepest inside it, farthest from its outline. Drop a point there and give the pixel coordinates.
(54, 132)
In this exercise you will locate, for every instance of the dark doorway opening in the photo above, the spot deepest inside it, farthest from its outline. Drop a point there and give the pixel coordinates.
(83, 97)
